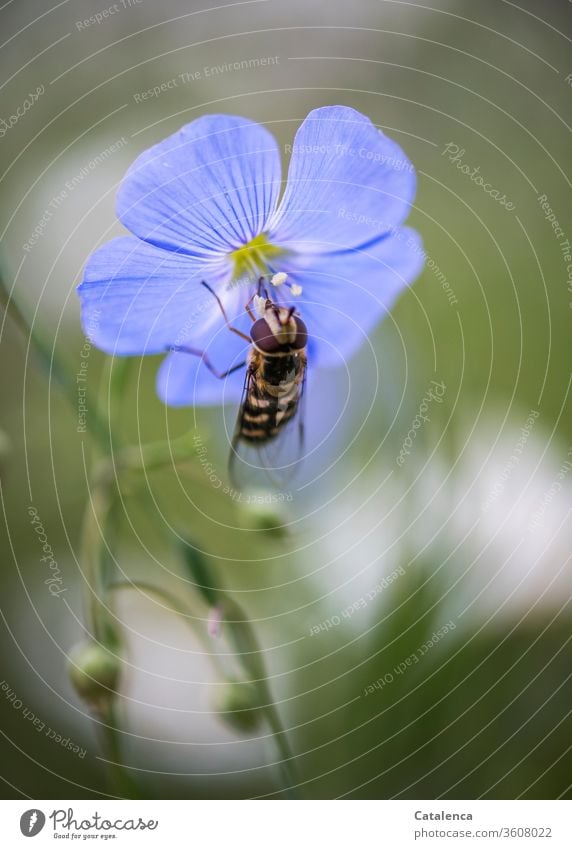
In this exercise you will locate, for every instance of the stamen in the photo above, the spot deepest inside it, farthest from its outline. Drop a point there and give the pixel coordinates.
(279, 278)
(296, 289)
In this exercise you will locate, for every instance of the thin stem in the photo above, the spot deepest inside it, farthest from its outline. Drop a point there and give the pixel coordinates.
(246, 645)
(95, 557)
(92, 549)
(99, 515)
(169, 599)
(122, 782)
(287, 765)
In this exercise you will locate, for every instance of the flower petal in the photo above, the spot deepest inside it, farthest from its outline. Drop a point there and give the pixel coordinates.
(138, 299)
(184, 380)
(347, 183)
(344, 295)
(209, 188)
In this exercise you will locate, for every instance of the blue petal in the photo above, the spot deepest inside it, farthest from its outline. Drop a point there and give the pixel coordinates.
(138, 299)
(207, 189)
(184, 380)
(347, 183)
(346, 294)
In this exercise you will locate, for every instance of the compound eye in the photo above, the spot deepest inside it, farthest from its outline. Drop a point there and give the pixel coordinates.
(263, 337)
(301, 339)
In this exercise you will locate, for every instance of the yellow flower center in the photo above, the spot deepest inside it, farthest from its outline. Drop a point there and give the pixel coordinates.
(255, 258)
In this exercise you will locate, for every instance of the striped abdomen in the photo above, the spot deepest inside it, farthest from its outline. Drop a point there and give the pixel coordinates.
(272, 395)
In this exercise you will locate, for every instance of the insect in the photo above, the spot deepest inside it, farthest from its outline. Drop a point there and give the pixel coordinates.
(275, 376)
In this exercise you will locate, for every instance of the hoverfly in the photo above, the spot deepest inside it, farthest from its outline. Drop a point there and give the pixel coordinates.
(275, 373)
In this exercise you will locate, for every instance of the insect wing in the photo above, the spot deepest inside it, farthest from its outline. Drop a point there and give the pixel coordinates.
(259, 459)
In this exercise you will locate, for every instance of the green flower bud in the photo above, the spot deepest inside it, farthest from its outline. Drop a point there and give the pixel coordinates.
(238, 704)
(93, 671)
(262, 513)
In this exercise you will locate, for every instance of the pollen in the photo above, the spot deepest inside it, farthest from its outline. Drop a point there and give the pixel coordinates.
(296, 289)
(253, 259)
(279, 278)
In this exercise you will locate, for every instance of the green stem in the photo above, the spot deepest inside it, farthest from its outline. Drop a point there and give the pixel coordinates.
(94, 556)
(244, 640)
(98, 523)
(169, 599)
(122, 782)
(288, 762)
(100, 517)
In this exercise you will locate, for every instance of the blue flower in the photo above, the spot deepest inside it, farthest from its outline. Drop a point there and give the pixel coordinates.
(203, 205)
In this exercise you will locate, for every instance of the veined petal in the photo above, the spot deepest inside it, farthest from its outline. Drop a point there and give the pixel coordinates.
(139, 299)
(184, 380)
(345, 294)
(209, 188)
(348, 183)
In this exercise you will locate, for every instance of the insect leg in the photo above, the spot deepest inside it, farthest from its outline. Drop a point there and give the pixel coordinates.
(247, 306)
(262, 288)
(223, 311)
(302, 417)
(195, 352)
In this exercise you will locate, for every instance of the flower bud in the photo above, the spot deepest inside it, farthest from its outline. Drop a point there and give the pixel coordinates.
(93, 671)
(238, 704)
(262, 513)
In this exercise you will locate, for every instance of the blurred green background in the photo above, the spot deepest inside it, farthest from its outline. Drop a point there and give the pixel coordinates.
(474, 537)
